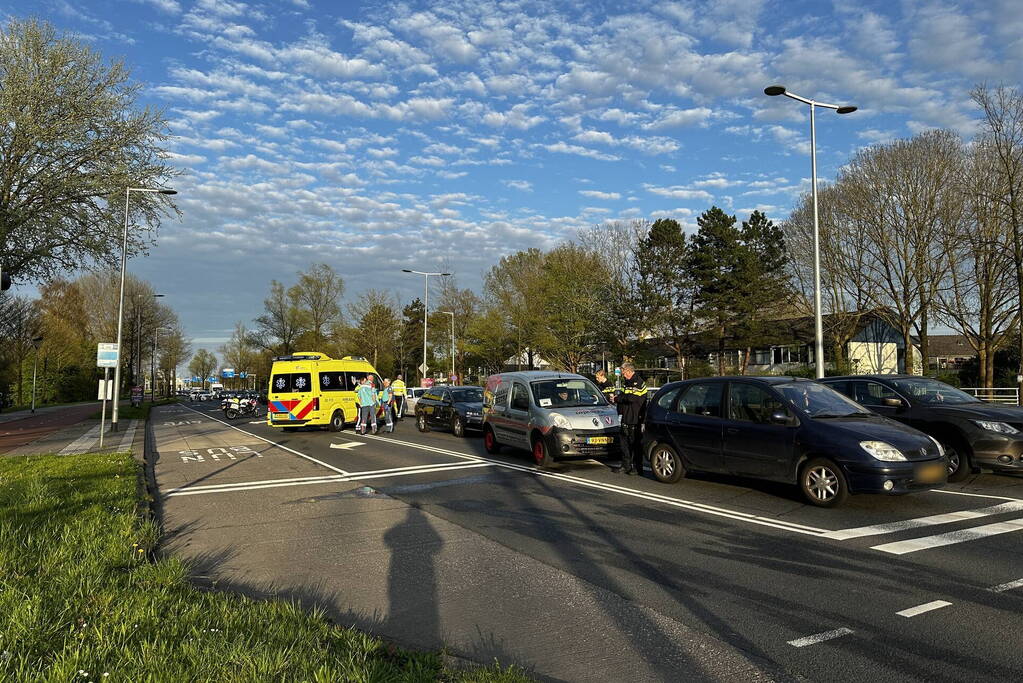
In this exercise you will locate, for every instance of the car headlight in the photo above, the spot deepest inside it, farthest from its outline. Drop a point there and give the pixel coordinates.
(880, 450)
(561, 421)
(941, 449)
(1000, 427)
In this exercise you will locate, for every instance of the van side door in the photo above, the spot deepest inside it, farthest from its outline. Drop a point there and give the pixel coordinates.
(518, 415)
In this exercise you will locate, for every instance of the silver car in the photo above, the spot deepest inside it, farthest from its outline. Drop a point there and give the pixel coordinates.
(555, 416)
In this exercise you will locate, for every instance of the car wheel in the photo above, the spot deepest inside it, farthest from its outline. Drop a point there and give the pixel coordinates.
(959, 466)
(490, 442)
(823, 483)
(541, 454)
(457, 426)
(666, 464)
(337, 421)
(421, 423)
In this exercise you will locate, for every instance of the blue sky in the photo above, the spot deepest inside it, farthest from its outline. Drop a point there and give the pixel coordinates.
(378, 136)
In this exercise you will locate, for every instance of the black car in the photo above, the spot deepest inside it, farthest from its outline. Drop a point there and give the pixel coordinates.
(974, 433)
(456, 408)
(789, 430)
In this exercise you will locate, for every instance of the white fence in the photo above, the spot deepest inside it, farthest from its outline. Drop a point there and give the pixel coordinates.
(1007, 395)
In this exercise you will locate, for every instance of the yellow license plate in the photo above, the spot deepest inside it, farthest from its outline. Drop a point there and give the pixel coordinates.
(598, 439)
(930, 474)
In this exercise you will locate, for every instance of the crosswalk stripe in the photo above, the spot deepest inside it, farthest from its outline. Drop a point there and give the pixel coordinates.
(932, 520)
(924, 543)
(926, 607)
(82, 443)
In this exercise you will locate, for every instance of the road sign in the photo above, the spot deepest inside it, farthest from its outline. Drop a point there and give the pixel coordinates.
(423, 367)
(428, 382)
(243, 374)
(106, 355)
(211, 378)
(106, 390)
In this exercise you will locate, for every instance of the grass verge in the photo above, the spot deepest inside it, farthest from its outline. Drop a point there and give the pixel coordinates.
(82, 599)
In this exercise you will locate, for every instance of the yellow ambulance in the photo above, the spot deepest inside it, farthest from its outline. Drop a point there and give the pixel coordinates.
(311, 388)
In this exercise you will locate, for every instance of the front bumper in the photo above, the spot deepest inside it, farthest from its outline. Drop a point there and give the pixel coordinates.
(474, 422)
(998, 452)
(578, 443)
(905, 476)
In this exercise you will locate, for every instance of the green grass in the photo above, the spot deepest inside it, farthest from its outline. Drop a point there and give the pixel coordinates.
(81, 591)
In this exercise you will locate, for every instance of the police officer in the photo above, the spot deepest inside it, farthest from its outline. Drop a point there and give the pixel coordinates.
(398, 387)
(631, 403)
(605, 385)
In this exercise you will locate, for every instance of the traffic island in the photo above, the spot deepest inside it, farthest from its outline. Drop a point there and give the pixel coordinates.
(85, 596)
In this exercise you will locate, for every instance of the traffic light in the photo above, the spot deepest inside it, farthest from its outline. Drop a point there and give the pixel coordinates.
(5, 279)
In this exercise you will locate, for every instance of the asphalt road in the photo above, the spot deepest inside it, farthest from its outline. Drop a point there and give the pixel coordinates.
(924, 587)
(26, 428)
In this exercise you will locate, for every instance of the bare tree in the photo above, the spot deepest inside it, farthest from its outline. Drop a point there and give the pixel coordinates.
(279, 328)
(318, 291)
(202, 364)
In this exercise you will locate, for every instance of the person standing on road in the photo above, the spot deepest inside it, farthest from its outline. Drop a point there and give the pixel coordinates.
(368, 401)
(398, 387)
(631, 404)
(605, 385)
(387, 403)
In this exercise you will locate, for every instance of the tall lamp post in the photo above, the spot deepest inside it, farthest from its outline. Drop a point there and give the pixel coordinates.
(451, 313)
(120, 298)
(774, 91)
(35, 366)
(426, 309)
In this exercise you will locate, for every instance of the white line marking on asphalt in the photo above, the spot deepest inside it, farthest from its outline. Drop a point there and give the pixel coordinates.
(129, 436)
(932, 520)
(274, 443)
(926, 607)
(252, 486)
(974, 495)
(675, 502)
(258, 422)
(82, 443)
(348, 445)
(1002, 587)
(820, 637)
(915, 544)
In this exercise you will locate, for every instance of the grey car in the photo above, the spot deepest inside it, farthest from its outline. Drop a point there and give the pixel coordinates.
(555, 416)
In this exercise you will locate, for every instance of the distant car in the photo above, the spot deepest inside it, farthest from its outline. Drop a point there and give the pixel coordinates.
(973, 433)
(412, 395)
(788, 430)
(456, 408)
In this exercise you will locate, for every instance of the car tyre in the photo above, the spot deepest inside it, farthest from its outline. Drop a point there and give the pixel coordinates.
(337, 421)
(457, 426)
(421, 423)
(959, 465)
(666, 464)
(823, 483)
(490, 441)
(541, 453)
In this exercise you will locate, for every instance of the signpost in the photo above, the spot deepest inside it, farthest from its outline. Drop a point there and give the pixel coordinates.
(106, 357)
(228, 373)
(423, 367)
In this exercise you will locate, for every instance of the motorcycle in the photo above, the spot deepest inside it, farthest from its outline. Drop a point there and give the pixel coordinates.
(235, 407)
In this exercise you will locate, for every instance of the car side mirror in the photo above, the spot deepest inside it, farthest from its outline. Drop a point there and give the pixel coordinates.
(780, 417)
(893, 402)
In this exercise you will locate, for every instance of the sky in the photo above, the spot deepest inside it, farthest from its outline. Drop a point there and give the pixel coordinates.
(376, 136)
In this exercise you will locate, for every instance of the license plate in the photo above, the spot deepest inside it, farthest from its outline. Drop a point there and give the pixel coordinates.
(930, 474)
(598, 439)
(280, 416)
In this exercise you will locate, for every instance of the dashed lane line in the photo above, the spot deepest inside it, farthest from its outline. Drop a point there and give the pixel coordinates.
(820, 637)
(274, 443)
(1008, 586)
(961, 536)
(921, 609)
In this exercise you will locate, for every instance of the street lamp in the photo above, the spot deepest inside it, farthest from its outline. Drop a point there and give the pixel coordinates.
(120, 298)
(452, 340)
(773, 91)
(426, 309)
(35, 365)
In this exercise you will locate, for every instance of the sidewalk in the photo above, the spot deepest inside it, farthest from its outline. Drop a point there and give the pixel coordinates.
(65, 430)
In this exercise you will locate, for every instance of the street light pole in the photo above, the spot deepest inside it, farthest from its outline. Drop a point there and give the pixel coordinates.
(426, 310)
(773, 91)
(120, 298)
(451, 313)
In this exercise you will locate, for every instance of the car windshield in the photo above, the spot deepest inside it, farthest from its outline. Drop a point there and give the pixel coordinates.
(817, 400)
(931, 391)
(467, 395)
(567, 393)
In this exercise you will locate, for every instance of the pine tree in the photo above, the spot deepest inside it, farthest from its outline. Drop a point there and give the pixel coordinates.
(716, 266)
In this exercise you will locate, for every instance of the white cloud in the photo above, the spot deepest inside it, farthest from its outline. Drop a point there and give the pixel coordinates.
(523, 185)
(565, 148)
(678, 192)
(596, 194)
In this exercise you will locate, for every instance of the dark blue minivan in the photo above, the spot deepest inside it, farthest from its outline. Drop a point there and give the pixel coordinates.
(789, 430)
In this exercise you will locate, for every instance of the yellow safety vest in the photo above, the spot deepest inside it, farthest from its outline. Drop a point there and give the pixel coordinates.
(398, 387)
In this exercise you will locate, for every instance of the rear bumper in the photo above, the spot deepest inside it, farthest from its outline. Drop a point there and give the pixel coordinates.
(905, 476)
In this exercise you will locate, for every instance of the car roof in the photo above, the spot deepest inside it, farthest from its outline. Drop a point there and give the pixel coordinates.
(877, 376)
(534, 375)
(772, 379)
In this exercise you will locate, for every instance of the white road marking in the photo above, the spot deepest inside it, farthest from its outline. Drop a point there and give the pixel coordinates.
(926, 542)
(252, 486)
(820, 637)
(129, 436)
(82, 443)
(1002, 587)
(926, 607)
(974, 495)
(258, 422)
(945, 518)
(674, 502)
(290, 450)
(347, 446)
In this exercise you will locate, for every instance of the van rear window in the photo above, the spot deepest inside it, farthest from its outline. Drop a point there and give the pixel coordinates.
(291, 383)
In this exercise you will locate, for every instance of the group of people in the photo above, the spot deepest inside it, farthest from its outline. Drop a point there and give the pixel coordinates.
(631, 401)
(388, 401)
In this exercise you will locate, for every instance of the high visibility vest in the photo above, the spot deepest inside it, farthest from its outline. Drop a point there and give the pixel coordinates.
(398, 386)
